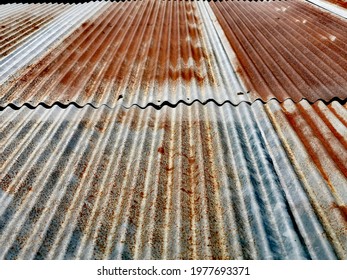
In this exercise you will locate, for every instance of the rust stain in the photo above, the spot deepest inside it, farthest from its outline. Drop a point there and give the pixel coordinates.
(333, 130)
(337, 115)
(189, 192)
(161, 150)
(342, 209)
(274, 60)
(325, 139)
(5, 184)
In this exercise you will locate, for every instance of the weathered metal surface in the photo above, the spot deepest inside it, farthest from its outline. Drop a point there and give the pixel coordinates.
(286, 49)
(40, 42)
(204, 181)
(135, 52)
(190, 182)
(315, 139)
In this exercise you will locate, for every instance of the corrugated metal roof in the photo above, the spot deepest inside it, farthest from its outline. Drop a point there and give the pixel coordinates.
(205, 177)
(287, 49)
(198, 181)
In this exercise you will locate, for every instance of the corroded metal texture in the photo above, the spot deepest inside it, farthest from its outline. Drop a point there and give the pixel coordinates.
(286, 49)
(190, 182)
(135, 52)
(204, 175)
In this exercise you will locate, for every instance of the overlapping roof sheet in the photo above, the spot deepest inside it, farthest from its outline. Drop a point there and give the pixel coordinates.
(141, 136)
(198, 181)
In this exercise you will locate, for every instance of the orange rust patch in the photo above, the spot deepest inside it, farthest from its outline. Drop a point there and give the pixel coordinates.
(161, 150)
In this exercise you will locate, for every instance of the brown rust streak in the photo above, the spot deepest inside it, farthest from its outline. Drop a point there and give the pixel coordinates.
(325, 140)
(164, 186)
(293, 118)
(212, 188)
(189, 181)
(329, 125)
(337, 115)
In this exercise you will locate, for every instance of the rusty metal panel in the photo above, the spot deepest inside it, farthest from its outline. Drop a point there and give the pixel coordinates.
(16, 27)
(191, 182)
(286, 49)
(134, 52)
(28, 34)
(315, 138)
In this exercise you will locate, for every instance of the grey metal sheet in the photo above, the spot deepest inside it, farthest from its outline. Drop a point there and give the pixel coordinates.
(190, 182)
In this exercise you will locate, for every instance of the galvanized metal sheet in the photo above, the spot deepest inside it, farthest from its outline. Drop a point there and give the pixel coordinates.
(134, 52)
(286, 49)
(190, 182)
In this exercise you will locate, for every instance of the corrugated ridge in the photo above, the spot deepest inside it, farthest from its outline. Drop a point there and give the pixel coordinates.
(193, 182)
(273, 61)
